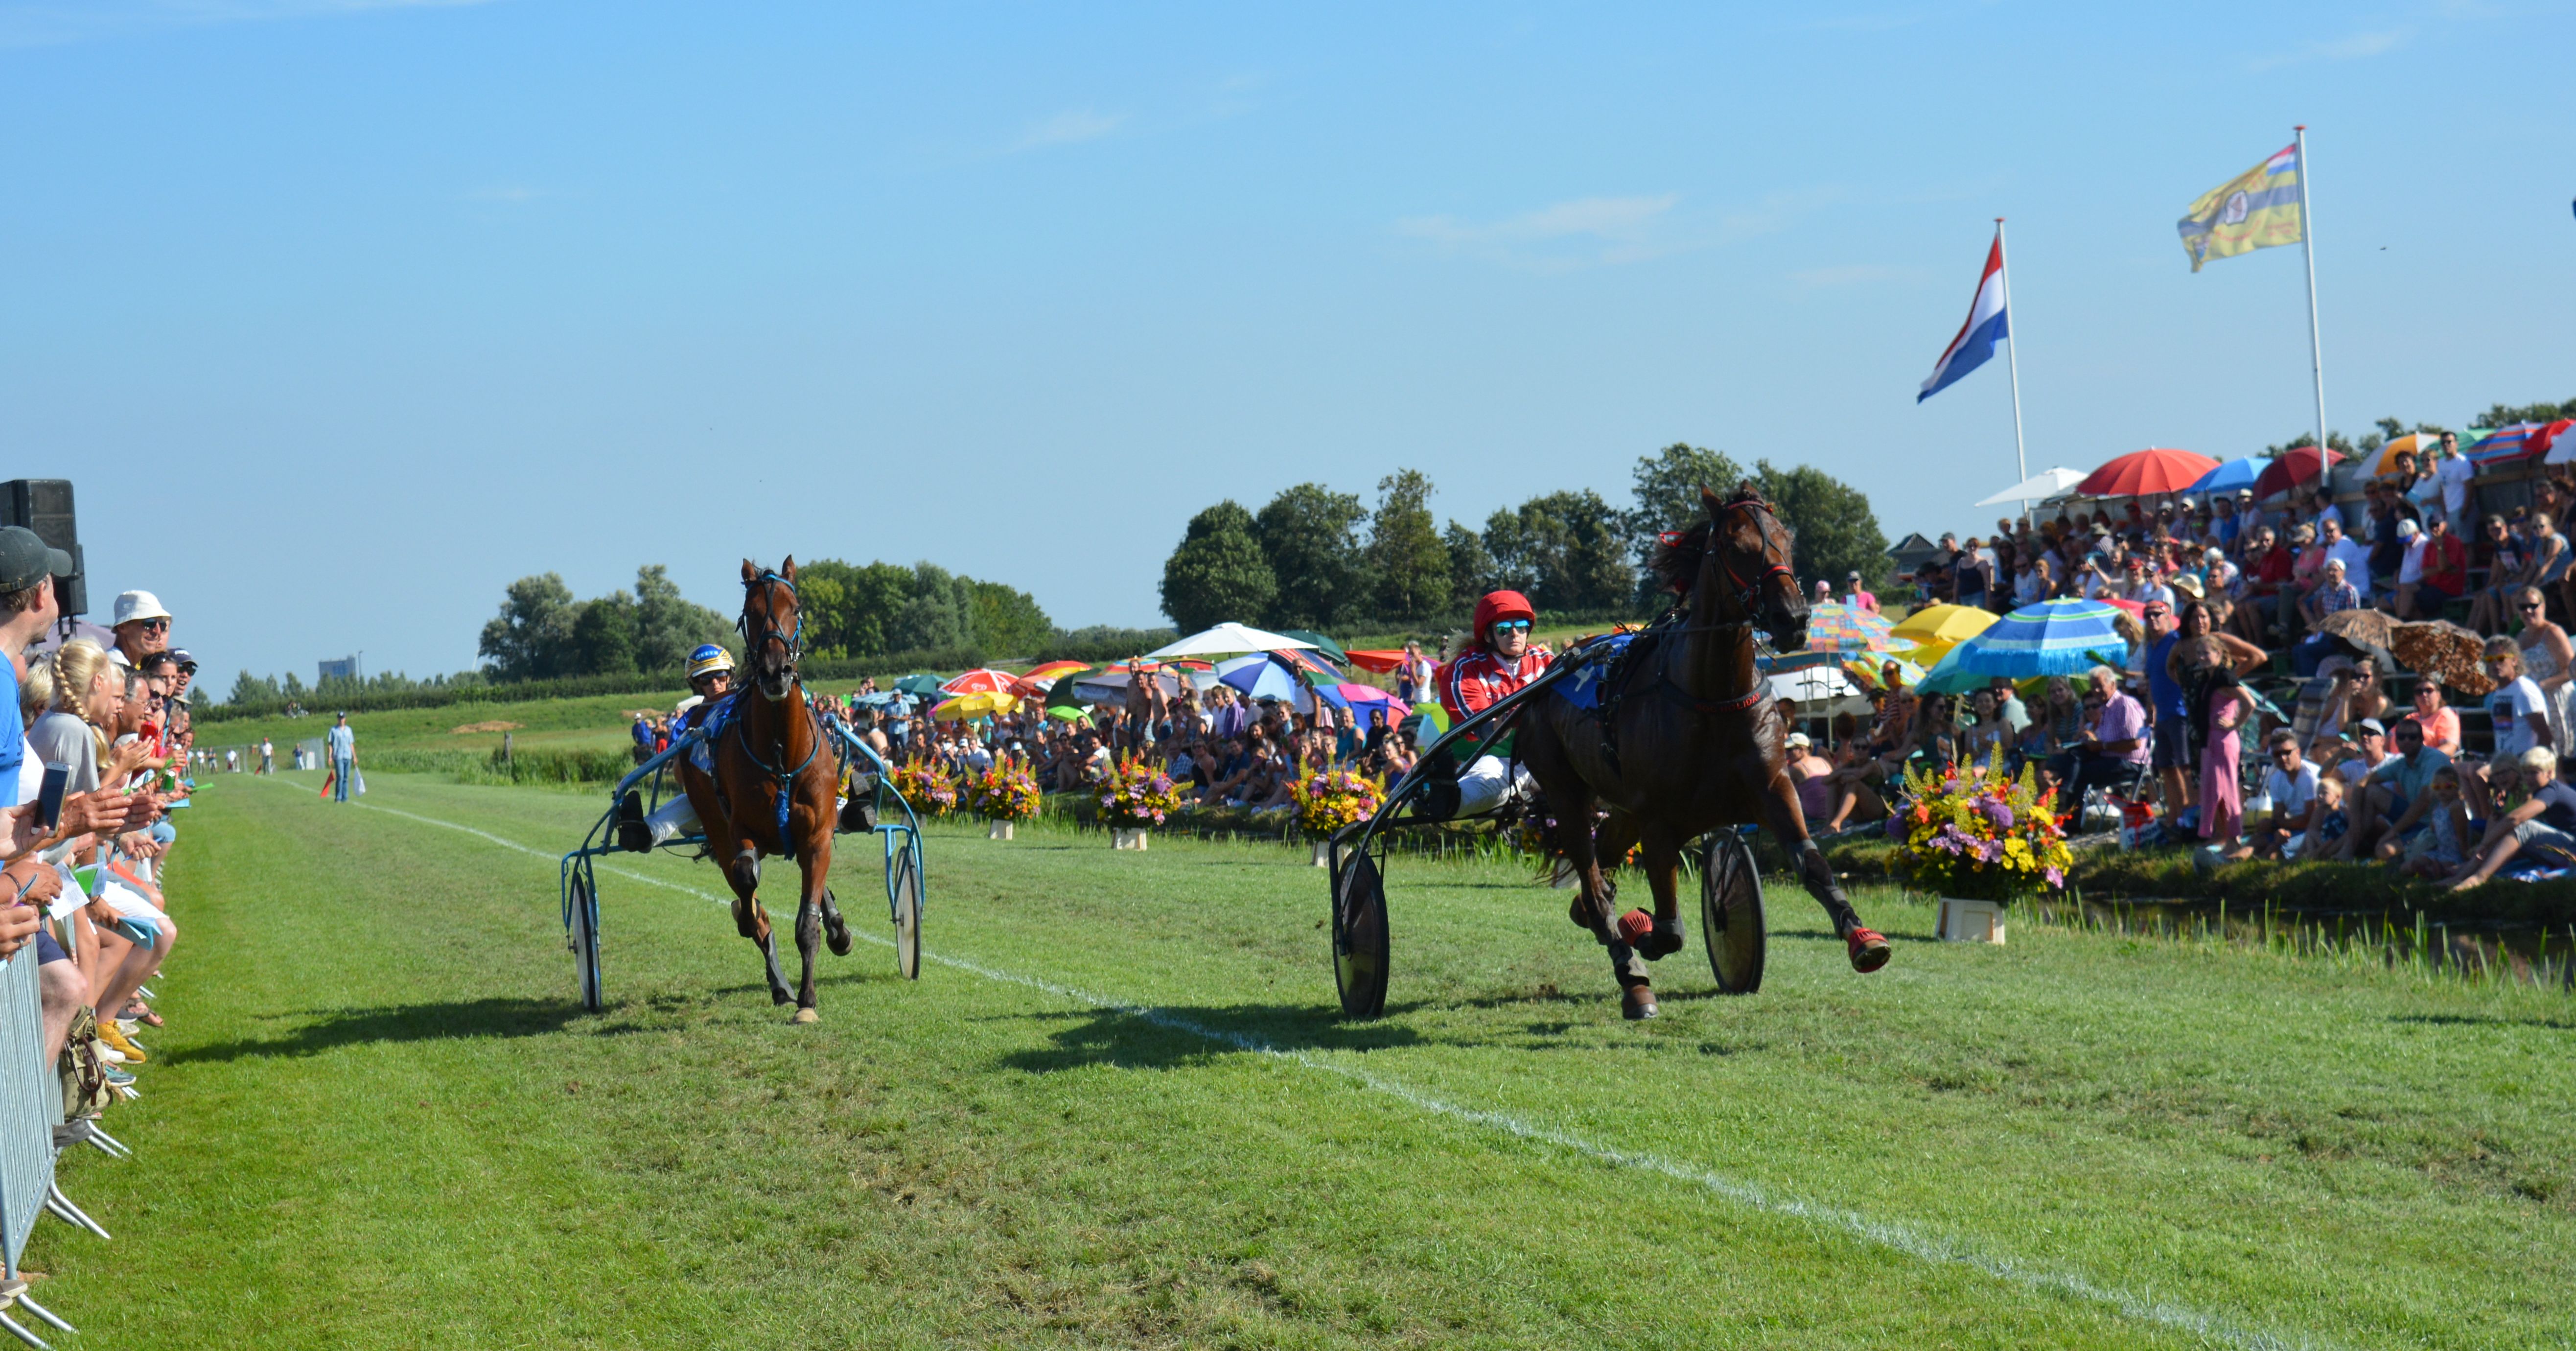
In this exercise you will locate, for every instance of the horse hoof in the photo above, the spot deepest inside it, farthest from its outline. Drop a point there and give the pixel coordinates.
(806, 1016)
(1657, 938)
(781, 997)
(1869, 950)
(839, 943)
(1637, 1004)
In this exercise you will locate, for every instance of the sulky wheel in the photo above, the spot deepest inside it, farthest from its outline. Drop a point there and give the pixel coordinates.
(903, 886)
(1359, 937)
(1730, 913)
(583, 933)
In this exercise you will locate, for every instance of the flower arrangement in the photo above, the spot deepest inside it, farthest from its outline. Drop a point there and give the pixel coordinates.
(925, 783)
(1974, 833)
(1006, 792)
(1328, 801)
(1138, 795)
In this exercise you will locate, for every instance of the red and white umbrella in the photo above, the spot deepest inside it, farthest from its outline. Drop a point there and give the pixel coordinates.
(981, 680)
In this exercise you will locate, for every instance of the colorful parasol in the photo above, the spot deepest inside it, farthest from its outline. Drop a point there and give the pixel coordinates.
(1835, 627)
(1943, 624)
(2298, 465)
(980, 704)
(2156, 469)
(981, 680)
(2054, 637)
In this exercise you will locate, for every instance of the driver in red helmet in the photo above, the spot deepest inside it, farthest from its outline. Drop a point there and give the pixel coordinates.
(1501, 660)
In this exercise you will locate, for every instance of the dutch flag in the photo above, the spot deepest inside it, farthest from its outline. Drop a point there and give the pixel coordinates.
(1978, 336)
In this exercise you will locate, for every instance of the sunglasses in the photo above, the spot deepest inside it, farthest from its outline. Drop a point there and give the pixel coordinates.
(2531, 605)
(154, 625)
(1512, 626)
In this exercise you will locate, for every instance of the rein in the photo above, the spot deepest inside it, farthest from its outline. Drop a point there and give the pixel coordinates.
(794, 646)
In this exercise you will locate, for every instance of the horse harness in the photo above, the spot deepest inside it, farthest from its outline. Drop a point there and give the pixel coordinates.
(1670, 625)
(794, 645)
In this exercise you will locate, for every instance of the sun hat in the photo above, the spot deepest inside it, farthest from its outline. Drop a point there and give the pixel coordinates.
(1800, 739)
(25, 559)
(137, 605)
(2187, 584)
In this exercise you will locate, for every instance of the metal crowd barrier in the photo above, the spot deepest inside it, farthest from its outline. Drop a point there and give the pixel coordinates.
(31, 1105)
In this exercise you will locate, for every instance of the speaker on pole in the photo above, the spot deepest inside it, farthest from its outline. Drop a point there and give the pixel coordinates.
(44, 505)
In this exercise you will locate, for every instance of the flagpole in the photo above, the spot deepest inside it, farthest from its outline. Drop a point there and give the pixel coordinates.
(2308, 242)
(2012, 355)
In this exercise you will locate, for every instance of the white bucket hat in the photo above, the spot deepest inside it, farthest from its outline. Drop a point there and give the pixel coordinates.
(134, 605)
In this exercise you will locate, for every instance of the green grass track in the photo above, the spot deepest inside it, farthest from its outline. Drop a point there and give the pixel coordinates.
(1118, 1110)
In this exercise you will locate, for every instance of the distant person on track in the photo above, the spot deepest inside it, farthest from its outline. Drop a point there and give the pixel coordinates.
(343, 744)
(267, 756)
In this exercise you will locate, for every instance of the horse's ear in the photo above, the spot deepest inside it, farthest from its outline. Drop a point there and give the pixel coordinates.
(750, 572)
(1710, 501)
(788, 568)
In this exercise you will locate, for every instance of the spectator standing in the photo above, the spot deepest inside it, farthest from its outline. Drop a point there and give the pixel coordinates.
(343, 745)
(142, 628)
(1858, 596)
(267, 756)
(28, 567)
(2547, 660)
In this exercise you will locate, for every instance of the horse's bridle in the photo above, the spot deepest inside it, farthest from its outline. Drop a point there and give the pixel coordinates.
(1748, 594)
(792, 643)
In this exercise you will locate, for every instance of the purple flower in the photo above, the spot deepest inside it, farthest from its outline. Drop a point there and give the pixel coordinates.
(1998, 811)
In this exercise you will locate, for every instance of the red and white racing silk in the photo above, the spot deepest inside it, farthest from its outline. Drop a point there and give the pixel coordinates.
(1478, 678)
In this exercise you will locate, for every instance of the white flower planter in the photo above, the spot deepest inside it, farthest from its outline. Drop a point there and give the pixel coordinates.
(1127, 839)
(1971, 921)
(1323, 853)
(999, 830)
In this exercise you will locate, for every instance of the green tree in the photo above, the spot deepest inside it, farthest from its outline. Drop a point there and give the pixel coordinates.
(1471, 566)
(1008, 622)
(603, 635)
(668, 627)
(1309, 535)
(2505, 414)
(1565, 550)
(1218, 572)
(531, 639)
(1835, 531)
(1404, 549)
(251, 689)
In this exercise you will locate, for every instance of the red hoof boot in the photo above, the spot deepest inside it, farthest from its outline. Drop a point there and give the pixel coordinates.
(1637, 1003)
(1869, 950)
(1634, 926)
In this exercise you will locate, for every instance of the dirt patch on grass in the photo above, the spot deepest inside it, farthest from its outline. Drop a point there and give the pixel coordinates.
(489, 727)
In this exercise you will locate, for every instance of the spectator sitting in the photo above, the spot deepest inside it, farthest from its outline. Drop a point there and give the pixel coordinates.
(2291, 783)
(2544, 824)
(2441, 847)
(2441, 724)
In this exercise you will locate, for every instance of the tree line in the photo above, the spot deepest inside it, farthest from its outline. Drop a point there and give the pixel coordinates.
(1314, 558)
(2389, 428)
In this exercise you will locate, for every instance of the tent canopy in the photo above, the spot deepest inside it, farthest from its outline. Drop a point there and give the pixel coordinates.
(2039, 487)
(1228, 638)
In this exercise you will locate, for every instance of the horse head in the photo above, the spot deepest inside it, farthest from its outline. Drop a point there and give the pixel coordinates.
(1746, 567)
(773, 629)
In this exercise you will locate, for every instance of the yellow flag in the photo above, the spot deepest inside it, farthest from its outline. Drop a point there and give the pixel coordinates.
(2256, 210)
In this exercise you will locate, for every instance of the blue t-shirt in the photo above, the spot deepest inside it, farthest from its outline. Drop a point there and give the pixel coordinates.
(2161, 687)
(13, 738)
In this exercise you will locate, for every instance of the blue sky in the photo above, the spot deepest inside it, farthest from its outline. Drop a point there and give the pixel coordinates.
(344, 314)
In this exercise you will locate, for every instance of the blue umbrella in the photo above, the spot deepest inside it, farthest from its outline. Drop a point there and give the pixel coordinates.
(1259, 677)
(2054, 637)
(2231, 476)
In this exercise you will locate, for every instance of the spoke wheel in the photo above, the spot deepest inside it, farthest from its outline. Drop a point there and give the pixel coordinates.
(1730, 913)
(582, 923)
(903, 885)
(1359, 936)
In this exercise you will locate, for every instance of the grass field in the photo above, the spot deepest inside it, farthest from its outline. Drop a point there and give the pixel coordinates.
(1117, 1110)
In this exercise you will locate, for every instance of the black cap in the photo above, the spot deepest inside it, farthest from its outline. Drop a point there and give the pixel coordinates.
(25, 559)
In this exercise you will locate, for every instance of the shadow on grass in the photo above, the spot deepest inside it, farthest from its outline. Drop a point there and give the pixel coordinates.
(2483, 1020)
(1180, 1036)
(399, 1022)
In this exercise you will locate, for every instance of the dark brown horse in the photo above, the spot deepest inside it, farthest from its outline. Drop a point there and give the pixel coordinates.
(775, 782)
(1698, 743)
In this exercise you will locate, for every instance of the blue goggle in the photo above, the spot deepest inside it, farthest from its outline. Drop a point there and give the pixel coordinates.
(1511, 626)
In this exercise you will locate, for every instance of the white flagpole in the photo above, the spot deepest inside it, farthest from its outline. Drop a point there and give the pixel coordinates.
(2012, 354)
(2308, 241)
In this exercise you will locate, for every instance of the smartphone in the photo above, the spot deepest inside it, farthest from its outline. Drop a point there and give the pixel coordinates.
(49, 798)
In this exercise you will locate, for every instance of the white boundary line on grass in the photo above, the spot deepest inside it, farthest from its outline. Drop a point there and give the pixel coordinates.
(1893, 1236)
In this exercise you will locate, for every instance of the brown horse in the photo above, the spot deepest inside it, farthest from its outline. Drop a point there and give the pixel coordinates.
(1698, 743)
(775, 782)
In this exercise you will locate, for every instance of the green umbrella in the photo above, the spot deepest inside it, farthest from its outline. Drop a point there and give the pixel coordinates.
(1324, 646)
(924, 686)
(1060, 702)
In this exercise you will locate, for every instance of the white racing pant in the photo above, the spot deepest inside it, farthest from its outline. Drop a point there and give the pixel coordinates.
(1482, 784)
(676, 818)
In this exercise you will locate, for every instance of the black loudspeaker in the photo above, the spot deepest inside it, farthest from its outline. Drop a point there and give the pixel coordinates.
(44, 505)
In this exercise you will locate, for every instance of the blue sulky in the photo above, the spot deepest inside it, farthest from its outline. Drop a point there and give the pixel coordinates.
(889, 815)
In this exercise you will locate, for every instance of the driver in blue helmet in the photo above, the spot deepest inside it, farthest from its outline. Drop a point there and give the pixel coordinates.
(710, 683)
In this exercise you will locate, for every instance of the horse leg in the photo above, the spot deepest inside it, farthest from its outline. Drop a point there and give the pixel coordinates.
(1663, 870)
(836, 931)
(1867, 947)
(1573, 800)
(816, 862)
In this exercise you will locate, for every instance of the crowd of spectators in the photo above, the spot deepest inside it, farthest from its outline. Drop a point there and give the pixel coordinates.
(2221, 587)
(1223, 747)
(110, 722)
